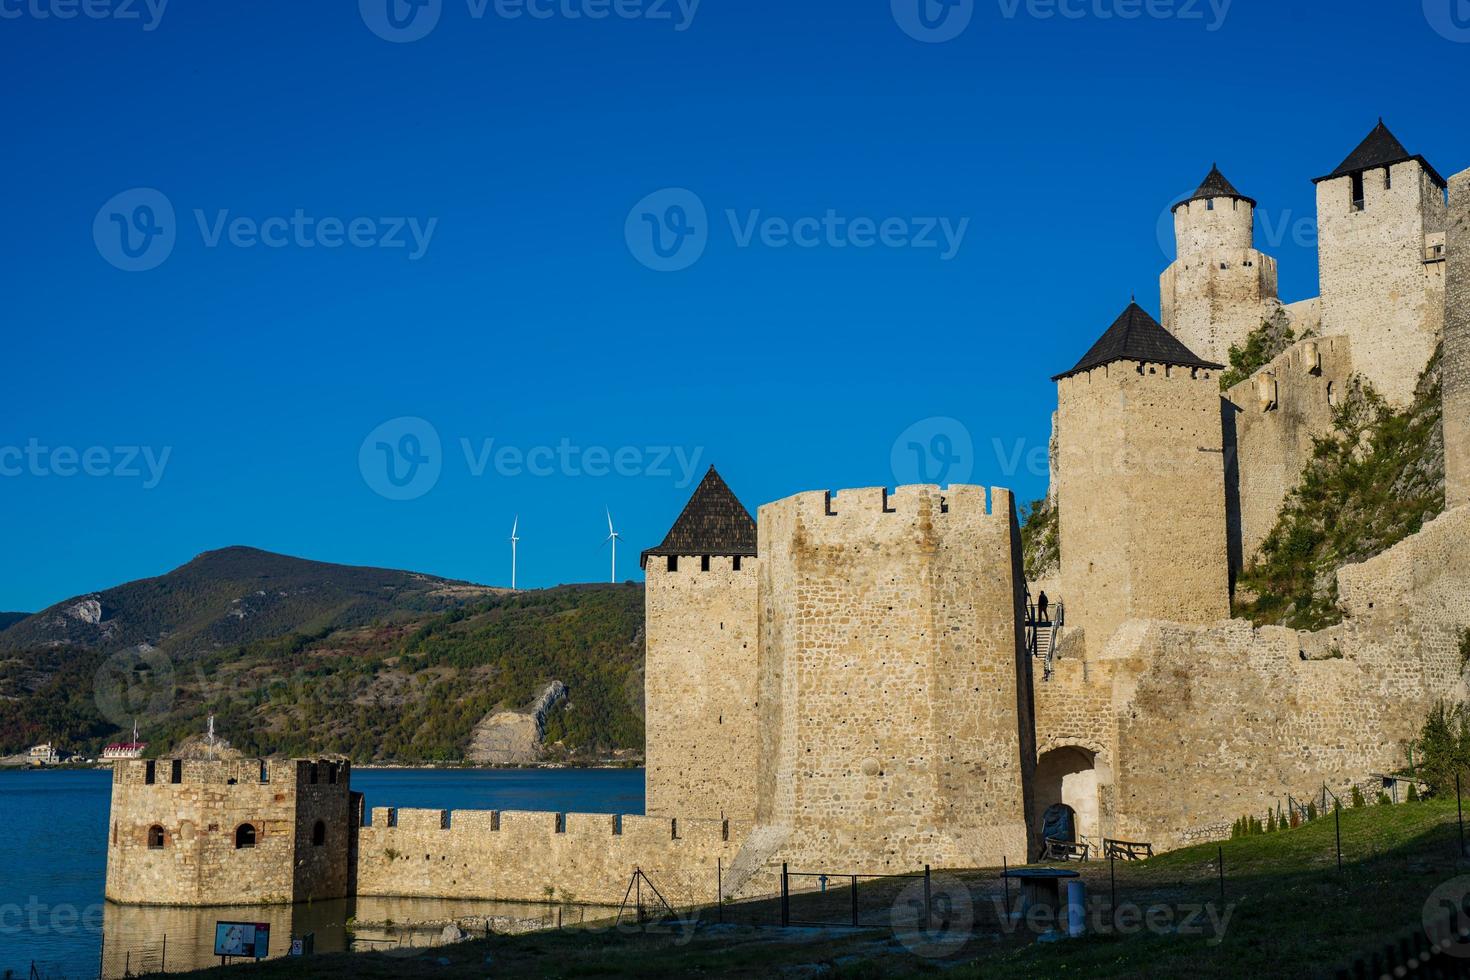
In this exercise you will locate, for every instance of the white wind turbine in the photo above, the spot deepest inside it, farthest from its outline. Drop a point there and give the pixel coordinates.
(513, 542)
(612, 536)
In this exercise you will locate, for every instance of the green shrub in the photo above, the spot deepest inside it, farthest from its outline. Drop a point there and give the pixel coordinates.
(1413, 793)
(1311, 811)
(1358, 801)
(1384, 799)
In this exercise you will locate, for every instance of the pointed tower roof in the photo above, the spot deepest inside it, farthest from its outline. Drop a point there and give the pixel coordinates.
(714, 522)
(1215, 185)
(1136, 336)
(1380, 149)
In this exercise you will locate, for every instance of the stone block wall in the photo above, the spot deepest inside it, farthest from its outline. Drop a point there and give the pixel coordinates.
(1271, 421)
(1456, 362)
(1142, 497)
(700, 686)
(894, 687)
(1377, 287)
(544, 857)
(200, 806)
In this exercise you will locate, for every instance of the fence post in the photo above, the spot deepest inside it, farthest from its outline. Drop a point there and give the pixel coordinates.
(854, 902)
(163, 956)
(785, 897)
(928, 902)
(1112, 892)
(1220, 851)
(1460, 809)
(1337, 818)
(1005, 880)
(720, 886)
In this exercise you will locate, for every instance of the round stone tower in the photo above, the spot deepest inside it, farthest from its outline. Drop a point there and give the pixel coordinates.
(1220, 288)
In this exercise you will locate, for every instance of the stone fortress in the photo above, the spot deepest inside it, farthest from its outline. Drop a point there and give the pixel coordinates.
(849, 682)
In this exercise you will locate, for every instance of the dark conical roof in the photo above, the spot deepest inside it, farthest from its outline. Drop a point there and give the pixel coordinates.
(1381, 149)
(1136, 336)
(714, 522)
(1215, 185)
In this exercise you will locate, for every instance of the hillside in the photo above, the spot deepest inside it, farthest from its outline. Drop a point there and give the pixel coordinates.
(234, 596)
(9, 619)
(297, 657)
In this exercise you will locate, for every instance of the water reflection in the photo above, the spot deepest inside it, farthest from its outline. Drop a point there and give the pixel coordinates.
(139, 939)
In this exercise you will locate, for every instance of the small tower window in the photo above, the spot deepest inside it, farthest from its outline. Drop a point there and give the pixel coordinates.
(313, 774)
(737, 563)
(704, 563)
(1210, 204)
(1359, 197)
(244, 836)
(176, 775)
(673, 563)
(150, 775)
(155, 838)
(318, 834)
(1388, 178)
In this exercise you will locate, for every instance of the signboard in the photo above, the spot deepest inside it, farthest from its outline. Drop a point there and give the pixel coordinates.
(248, 939)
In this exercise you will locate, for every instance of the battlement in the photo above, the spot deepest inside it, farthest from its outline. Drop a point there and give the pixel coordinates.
(540, 828)
(905, 505)
(277, 773)
(682, 568)
(1203, 225)
(1130, 371)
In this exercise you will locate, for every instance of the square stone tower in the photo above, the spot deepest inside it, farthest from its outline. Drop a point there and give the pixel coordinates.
(250, 832)
(895, 698)
(700, 670)
(1141, 499)
(1220, 288)
(1381, 225)
(1456, 363)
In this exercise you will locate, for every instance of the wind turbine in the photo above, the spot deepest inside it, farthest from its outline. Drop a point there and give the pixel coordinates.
(513, 542)
(613, 536)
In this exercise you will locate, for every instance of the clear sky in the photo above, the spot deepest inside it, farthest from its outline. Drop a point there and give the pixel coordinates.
(378, 215)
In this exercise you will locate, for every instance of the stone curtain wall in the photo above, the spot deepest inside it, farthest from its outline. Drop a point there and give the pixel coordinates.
(1376, 286)
(1456, 364)
(1220, 288)
(1142, 497)
(892, 674)
(700, 687)
(1275, 415)
(199, 863)
(544, 857)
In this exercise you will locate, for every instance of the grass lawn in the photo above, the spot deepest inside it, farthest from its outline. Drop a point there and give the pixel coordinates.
(1287, 910)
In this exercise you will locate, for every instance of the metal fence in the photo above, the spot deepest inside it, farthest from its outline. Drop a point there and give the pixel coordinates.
(824, 898)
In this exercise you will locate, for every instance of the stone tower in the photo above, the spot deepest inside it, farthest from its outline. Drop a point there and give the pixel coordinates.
(895, 698)
(1219, 288)
(257, 832)
(700, 673)
(1456, 364)
(1142, 482)
(1381, 225)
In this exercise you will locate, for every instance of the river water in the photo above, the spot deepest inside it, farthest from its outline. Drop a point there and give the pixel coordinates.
(53, 864)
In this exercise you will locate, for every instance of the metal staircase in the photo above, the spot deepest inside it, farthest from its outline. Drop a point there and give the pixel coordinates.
(1043, 633)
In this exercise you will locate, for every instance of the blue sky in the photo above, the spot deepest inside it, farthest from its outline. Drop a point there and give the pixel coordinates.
(245, 384)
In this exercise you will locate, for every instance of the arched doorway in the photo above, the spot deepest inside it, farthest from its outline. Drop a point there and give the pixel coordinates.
(1071, 775)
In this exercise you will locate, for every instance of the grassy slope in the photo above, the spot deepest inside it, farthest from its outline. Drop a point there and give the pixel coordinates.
(1373, 482)
(1292, 913)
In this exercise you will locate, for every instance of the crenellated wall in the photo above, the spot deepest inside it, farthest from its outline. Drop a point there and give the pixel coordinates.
(894, 688)
(542, 857)
(1271, 421)
(700, 686)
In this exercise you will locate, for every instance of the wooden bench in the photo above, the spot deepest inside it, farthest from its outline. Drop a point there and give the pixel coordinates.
(1127, 850)
(1064, 850)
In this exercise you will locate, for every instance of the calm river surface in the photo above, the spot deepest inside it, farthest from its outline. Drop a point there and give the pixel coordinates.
(53, 862)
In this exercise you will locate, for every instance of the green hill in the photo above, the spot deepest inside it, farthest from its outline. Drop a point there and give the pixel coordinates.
(298, 657)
